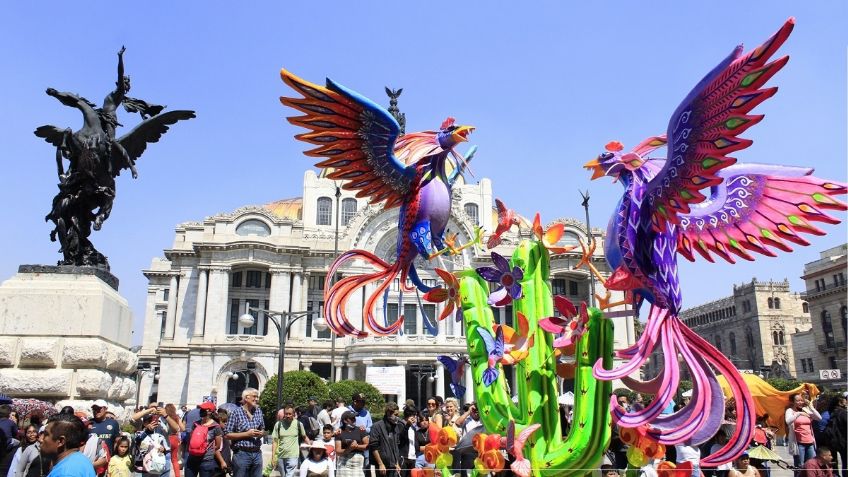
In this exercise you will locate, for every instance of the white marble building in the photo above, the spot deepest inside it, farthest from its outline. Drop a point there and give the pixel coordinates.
(276, 257)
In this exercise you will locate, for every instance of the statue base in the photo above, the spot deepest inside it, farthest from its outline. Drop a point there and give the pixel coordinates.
(98, 272)
(65, 334)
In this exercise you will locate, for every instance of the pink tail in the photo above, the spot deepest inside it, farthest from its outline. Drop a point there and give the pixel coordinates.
(337, 296)
(699, 420)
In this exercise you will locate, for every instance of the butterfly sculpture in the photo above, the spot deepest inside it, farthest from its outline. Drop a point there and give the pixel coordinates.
(517, 343)
(456, 369)
(495, 351)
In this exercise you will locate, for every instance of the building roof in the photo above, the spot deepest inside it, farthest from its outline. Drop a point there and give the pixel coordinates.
(287, 208)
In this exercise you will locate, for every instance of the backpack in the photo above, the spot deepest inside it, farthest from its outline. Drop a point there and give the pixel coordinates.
(198, 443)
(100, 471)
(314, 428)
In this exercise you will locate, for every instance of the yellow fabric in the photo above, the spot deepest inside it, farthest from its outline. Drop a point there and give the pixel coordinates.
(768, 400)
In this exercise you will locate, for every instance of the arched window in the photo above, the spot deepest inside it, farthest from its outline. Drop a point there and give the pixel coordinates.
(718, 342)
(780, 338)
(777, 303)
(324, 206)
(471, 211)
(827, 329)
(732, 339)
(805, 307)
(253, 227)
(348, 210)
(774, 337)
(770, 303)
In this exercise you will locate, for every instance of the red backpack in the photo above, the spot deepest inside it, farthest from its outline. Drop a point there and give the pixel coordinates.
(197, 443)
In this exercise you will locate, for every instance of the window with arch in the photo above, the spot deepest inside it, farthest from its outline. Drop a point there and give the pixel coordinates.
(472, 211)
(805, 307)
(776, 303)
(780, 338)
(749, 338)
(827, 329)
(325, 204)
(253, 227)
(348, 210)
(770, 303)
(732, 339)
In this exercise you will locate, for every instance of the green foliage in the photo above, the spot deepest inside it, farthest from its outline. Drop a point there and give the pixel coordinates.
(298, 387)
(374, 401)
(684, 386)
(783, 384)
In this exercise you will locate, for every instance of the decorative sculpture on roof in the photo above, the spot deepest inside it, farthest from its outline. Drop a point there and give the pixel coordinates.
(361, 143)
(95, 157)
(749, 208)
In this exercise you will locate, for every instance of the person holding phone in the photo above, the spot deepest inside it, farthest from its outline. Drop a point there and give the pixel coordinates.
(799, 418)
(245, 429)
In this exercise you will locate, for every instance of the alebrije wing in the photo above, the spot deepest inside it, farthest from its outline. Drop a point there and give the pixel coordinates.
(523, 324)
(498, 350)
(705, 128)
(355, 138)
(488, 340)
(448, 362)
(510, 437)
(755, 207)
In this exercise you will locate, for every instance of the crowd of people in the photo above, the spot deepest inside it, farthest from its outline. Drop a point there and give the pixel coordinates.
(337, 439)
(815, 437)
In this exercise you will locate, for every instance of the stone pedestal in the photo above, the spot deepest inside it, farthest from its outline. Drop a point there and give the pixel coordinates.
(65, 335)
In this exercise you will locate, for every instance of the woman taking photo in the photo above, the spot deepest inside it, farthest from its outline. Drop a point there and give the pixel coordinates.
(799, 429)
(316, 463)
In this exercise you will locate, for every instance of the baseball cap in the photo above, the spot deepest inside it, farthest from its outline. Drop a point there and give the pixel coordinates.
(357, 397)
(208, 406)
(744, 454)
(100, 403)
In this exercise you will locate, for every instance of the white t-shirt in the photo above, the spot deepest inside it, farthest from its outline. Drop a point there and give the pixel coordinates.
(688, 454)
(317, 467)
(336, 416)
(324, 417)
(410, 434)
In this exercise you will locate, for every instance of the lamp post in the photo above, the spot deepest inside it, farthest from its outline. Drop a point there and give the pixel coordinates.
(333, 280)
(283, 321)
(591, 239)
(420, 371)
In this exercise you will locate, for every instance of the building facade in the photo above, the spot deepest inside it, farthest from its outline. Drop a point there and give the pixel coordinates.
(826, 295)
(276, 257)
(752, 327)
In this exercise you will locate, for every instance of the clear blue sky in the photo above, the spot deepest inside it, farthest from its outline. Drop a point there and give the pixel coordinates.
(546, 83)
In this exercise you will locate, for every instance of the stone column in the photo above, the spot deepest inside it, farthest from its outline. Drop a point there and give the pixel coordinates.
(200, 311)
(351, 372)
(440, 379)
(297, 304)
(469, 385)
(173, 292)
(217, 297)
(279, 298)
(304, 303)
(401, 396)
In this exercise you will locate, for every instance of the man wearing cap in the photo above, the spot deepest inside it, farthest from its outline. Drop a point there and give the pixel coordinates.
(105, 427)
(245, 429)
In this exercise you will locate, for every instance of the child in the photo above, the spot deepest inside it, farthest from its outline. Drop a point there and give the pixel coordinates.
(120, 463)
(329, 442)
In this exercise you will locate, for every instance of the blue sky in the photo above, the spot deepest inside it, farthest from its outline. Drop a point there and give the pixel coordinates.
(547, 84)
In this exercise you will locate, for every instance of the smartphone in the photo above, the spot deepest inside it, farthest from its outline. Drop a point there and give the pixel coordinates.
(161, 404)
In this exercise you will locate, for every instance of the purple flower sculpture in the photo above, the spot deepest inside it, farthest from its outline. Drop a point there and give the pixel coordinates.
(510, 281)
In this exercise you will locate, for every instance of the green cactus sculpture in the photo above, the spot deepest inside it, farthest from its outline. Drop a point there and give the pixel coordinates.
(535, 376)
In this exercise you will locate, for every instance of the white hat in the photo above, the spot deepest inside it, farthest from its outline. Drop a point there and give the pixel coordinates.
(100, 403)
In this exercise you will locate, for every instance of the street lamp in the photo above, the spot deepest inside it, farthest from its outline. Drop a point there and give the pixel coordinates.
(288, 318)
(421, 371)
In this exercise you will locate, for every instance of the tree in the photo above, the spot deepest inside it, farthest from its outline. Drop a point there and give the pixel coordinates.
(783, 384)
(298, 387)
(374, 401)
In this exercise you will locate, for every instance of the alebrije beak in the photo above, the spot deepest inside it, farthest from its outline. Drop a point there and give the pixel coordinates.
(595, 166)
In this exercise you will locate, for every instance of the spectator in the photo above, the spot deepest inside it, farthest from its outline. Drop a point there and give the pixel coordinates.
(638, 403)
(62, 439)
(245, 429)
(363, 421)
(151, 440)
(105, 428)
(607, 470)
(468, 421)
(820, 465)
(720, 440)
(743, 467)
(837, 430)
(96, 449)
(687, 452)
(384, 443)
(451, 415)
(408, 449)
(329, 442)
(188, 420)
(316, 463)
(422, 438)
(27, 453)
(312, 407)
(120, 465)
(433, 414)
(799, 429)
(8, 427)
(211, 461)
(287, 434)
(226, 453)
(175, 427)
(336, 414)
(310, 423)
(351, 444)
(617, 447)
(324, 415)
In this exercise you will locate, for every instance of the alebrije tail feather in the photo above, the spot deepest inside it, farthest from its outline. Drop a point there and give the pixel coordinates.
(337, 295)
